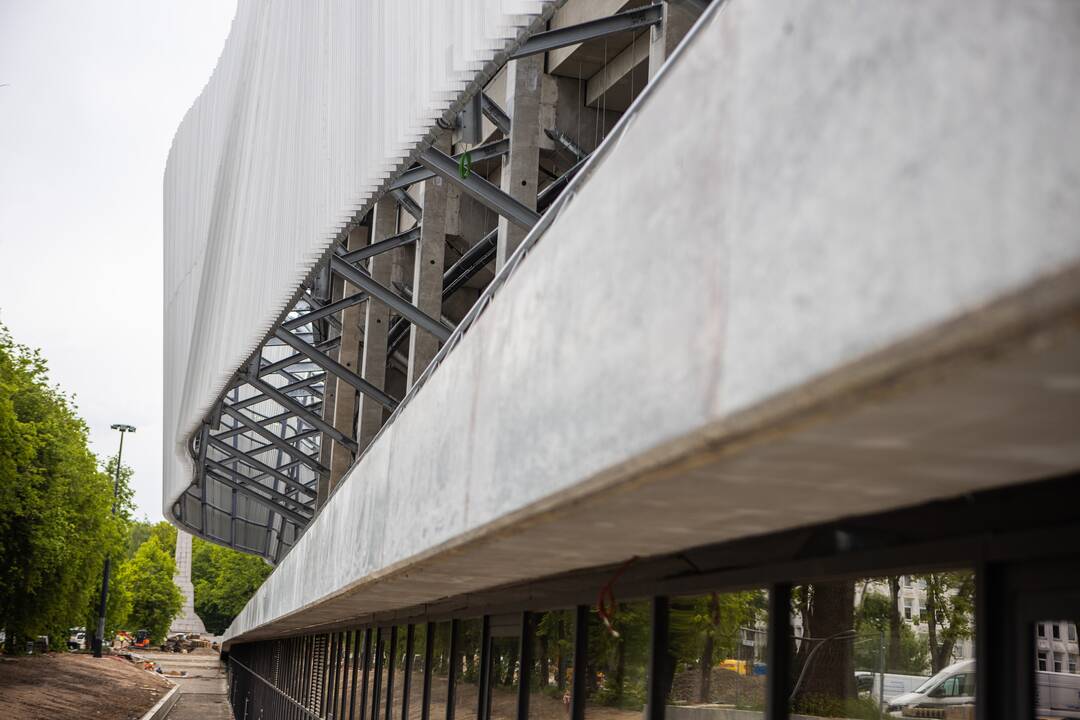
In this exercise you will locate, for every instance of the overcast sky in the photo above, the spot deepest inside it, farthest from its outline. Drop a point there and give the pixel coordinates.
(91, 94)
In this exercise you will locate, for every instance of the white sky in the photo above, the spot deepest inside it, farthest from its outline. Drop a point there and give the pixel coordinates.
(94, 92)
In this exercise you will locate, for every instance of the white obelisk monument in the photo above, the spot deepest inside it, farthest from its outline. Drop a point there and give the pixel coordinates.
(187, 621)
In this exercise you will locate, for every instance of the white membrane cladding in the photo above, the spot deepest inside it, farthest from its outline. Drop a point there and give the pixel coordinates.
(312, 106)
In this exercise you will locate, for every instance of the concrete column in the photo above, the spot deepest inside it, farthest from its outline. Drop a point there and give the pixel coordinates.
(352, 330)
(665, 35)
(428, 269)
(329, 396)
(520, 166)
(376, 323)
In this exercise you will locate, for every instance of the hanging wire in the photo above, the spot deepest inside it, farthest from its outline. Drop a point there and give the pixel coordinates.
(603, 93)
(606, 604)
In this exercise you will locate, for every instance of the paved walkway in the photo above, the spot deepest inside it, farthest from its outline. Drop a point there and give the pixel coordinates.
(202, 690)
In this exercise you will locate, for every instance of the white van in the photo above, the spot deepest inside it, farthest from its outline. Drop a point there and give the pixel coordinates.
(1057, 695)
(955, 685)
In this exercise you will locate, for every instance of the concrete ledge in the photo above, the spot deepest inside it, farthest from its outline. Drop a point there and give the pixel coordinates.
(164, 705)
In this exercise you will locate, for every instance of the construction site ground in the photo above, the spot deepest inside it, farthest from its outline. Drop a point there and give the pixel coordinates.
(76, 685)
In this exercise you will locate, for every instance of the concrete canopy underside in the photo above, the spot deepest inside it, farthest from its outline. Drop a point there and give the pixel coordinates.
(831, 266)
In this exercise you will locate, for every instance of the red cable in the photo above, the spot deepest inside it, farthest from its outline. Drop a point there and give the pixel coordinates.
(606, 605)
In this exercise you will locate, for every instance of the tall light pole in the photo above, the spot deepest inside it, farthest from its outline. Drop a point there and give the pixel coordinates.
(99, 636)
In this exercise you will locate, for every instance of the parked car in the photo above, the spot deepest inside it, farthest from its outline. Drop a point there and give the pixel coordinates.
(77, 639)
(955, 685)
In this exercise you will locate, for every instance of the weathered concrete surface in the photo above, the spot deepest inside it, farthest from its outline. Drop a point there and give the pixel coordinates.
(832, 266)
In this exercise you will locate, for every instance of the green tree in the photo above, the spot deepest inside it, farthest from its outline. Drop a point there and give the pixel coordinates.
(56, 524)
(142, 530)
(950, 608)
(706, 629)
(118, 606)
(224, 580)
(872, 622)
(155, 598)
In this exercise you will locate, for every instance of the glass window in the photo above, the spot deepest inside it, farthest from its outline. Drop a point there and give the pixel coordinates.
(505, 654)
(358, 697)
(380, 660)
(396, 678)
(1055, 695)
(618, 657)
(1072, 632)
(552, 676)
(440, 670)
(416, 681)
(717, 650)
(467, 669)
(856, 655)
(955, 686)
(1042, 629)
(1057, 631)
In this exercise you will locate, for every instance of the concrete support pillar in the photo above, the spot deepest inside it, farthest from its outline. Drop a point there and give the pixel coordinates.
(352, 330)
(665, 35)
(520, 166)
(428, 269)
(337, 288)
(377, 323)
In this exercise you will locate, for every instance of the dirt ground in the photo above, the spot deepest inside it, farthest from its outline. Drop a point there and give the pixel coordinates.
(70, 685)
(726, 687)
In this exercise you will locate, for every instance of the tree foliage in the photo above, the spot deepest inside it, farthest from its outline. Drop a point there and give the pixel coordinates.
(224, 579)
(873, 622)
(143, 530)
(56, 523)
(950, 608)
(155, 598)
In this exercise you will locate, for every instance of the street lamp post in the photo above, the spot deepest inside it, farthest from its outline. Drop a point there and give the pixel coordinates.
(99, 636)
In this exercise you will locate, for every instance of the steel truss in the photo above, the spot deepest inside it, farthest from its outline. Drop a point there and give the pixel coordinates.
(263, 455)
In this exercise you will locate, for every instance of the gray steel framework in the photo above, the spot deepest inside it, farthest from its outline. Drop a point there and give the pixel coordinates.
(263, 452)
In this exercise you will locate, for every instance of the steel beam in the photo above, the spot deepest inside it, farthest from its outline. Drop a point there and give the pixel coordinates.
(259, 465)
(246, 490)
(291, 387)
(550, 194)
(407, 203)
(268, 420)
(496, 115)
(481, 152)
(407, 310)
(333, 366)
(390, 243)
(287, 402)
(479, 188)
(316, 304)
(563, 139)
(278, 442)
(328, 309)
(216, 467)
(574, 34)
